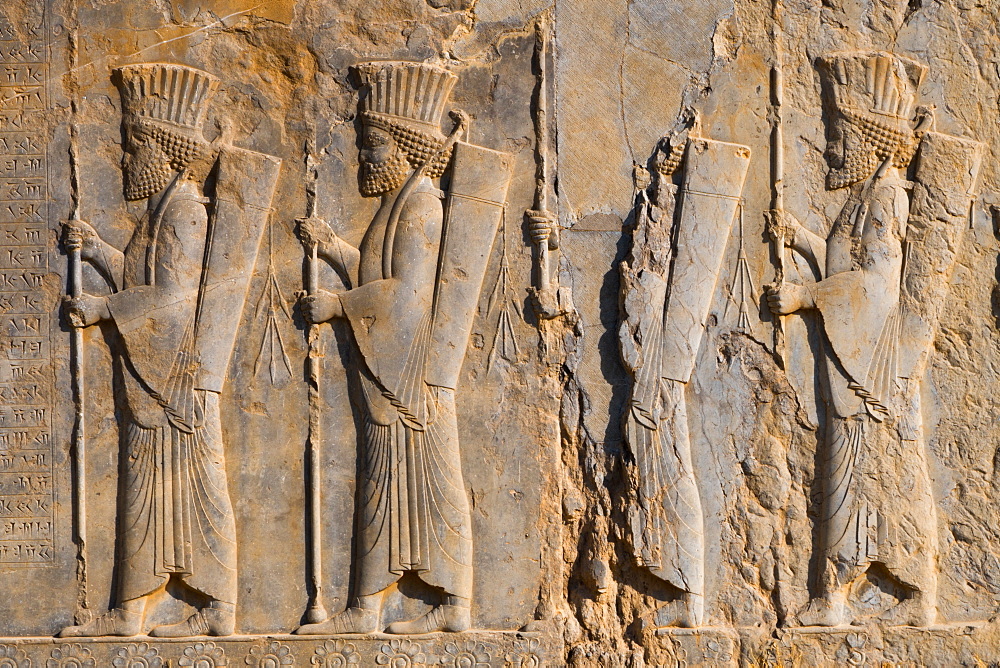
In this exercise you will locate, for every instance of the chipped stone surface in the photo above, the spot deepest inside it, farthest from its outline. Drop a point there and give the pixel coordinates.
(488, 333)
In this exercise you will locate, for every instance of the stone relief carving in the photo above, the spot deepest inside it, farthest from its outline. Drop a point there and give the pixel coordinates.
(414, 284)
(668, 468)
(175, 515)
(668, 283)
(883, 273)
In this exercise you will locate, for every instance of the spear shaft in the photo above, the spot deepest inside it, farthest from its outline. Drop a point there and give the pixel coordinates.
(74, 288)
(778, 173)
(542, 146)
(317, 612)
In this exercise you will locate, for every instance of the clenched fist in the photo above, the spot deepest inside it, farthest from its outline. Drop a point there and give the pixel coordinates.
(781, 225)
(321, 307)
(315, 231)
(78, 235)
(85, 310)
(789, 298)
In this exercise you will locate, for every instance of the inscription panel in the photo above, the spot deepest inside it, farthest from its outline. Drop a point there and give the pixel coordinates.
(27, 504)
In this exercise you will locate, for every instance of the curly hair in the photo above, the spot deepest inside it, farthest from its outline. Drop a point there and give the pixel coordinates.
(889, 138)
(182, 149)
(418, 146)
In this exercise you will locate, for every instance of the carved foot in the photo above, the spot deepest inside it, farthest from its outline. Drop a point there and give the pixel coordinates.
(687, 613)
(352, 620)
(206, 622)
(115, 622)
(694, 611)
(451, 618)
(913, 611)
(826, 611)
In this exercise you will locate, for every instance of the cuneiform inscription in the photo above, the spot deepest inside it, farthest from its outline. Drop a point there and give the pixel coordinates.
(21, 167)
(26, 484)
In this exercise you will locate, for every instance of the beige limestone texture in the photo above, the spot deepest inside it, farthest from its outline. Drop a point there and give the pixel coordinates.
(453, 435)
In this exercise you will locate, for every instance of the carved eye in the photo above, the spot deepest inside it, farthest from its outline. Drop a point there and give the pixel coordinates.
(376, 140)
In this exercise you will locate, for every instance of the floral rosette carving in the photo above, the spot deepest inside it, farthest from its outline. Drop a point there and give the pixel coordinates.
(137, 655)
(12, 656)
(73, 655)
(468, 654)
(856, 643)
(203, 655)
(524, 654)
(274, 655)
(720, 649)
(336, 654)
(401, 653)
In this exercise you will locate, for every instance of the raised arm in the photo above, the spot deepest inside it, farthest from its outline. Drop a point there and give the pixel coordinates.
(108, 260)
(798, 237)
(344, 257)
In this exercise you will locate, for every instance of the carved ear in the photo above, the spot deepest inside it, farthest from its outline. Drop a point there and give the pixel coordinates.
(227, 131)
(926, 119)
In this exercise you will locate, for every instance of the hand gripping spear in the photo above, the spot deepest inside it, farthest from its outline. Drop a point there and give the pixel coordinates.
(317, 612)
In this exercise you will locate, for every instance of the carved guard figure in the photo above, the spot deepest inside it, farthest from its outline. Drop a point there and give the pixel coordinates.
(877, 513)
(668, 284)
(415, 283)
(175, 518)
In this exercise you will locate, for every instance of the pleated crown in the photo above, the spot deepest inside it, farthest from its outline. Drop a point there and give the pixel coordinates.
(174, 94)
(412, 94)
(877, 82)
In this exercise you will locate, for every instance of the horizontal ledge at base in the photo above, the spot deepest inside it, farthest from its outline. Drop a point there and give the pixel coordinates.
(950, 628)
(477, 634)
(492, 649)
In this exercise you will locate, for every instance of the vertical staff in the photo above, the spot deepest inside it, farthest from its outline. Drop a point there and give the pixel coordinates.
(74, 288)
(778, 172)
(540, 217)
(317, 612)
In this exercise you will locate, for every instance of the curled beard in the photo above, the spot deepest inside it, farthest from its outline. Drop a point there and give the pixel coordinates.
(858, 166)
(378, 178)
(147, 179)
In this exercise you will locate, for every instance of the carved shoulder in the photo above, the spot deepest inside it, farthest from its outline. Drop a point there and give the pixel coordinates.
(181, 242)
(889, 207)
(422, 213)
(183, 210)
(423, 204)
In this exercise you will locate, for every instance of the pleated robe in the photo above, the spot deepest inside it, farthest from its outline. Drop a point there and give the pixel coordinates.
(175, 513)
(876, 504)
(412, 507)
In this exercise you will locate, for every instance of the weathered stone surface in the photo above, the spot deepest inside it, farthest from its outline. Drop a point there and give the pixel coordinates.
(479, 333)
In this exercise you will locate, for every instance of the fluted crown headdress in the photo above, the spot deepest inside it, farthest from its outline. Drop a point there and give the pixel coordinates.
(880, 83)
(174, 94)
(409, 93)
(876, 92)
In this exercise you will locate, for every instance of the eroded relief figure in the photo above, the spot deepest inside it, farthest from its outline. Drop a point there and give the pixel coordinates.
(414, 286)
(175, 517)
(668, 284)
(880, 260)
